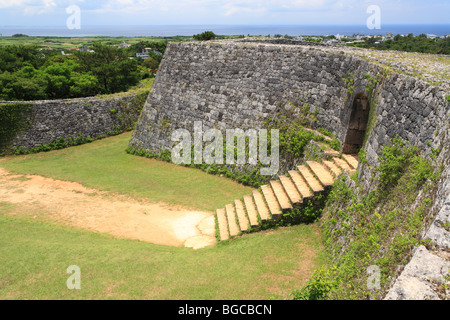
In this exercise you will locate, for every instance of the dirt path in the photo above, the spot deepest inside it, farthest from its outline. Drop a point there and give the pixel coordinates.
(121, 216)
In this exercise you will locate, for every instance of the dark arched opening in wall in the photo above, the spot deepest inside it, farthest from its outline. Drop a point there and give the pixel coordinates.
(357, 125)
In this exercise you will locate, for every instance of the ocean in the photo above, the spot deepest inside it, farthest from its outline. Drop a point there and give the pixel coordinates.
(227, 30)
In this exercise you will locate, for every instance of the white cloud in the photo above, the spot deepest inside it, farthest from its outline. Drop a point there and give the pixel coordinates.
(222, 11)
(30, 7)
(304, 4)
(231, 10)
(12, 3)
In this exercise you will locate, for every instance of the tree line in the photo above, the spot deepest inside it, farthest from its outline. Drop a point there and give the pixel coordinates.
(30, 73)
(409, 43)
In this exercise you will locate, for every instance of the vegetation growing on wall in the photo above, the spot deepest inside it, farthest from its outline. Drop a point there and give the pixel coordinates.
(373, 82)
(378, 229)
(13, 119)
(294, 137)
(350, 83)
(127, 112)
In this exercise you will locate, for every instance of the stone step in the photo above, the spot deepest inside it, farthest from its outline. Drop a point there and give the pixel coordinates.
(343, 164)
(223, 225)
(291, 190)
(242, 217)
(321, 172)
(251, 210)
(328, 150)
(301, 184)
(271, 201)
(280, 194)
(352, 160)
(333, 168)
(261, 206)
(310, 179)
(231, 218)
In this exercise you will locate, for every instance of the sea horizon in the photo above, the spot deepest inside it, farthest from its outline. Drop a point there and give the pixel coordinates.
(224, 30)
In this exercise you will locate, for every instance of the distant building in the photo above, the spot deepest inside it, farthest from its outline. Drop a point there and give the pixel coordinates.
(143, 55)
(124, 45)
(356, 41)
(333, 41)
(431, 36)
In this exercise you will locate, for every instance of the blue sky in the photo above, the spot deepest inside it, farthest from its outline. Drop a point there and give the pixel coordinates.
(226, 12)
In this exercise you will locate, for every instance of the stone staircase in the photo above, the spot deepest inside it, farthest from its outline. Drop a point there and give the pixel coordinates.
(280, 196)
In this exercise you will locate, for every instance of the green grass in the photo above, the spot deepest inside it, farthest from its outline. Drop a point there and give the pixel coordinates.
(105, 165)
(36, 254)
(65, 43)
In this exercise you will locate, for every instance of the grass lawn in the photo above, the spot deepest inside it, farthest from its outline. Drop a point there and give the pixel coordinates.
(105, 165)
(35, 255)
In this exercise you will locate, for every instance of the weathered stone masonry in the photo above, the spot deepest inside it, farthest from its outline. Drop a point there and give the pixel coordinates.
(238, 85)
(87, 118)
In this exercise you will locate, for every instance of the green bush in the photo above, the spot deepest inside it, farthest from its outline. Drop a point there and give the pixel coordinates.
(321, 283)
(394, 160)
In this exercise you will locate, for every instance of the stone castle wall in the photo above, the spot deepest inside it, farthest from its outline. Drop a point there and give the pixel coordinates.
(92, 118)
(237, 85)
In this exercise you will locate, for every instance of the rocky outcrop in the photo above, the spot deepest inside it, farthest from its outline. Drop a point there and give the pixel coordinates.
(424, 276)
(427, 275)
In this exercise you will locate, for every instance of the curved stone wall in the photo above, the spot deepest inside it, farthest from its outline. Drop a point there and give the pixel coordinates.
(83, 118)
(238, 85)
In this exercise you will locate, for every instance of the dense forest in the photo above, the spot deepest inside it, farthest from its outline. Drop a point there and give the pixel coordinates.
(408, 43)
(30, 73)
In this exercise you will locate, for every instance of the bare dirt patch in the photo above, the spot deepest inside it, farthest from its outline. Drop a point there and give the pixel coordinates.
(73, 204)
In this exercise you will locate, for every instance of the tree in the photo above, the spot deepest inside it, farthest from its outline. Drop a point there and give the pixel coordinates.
(159, 46)
(114, 69)
(84, 85)
(151, 63)
(13, 58)
(14, 87)
(205, 36)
